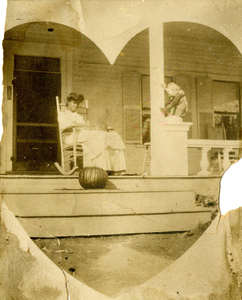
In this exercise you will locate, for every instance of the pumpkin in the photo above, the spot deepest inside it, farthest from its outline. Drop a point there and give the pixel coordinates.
(93, 178)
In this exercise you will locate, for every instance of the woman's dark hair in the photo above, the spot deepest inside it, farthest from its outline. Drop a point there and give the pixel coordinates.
(75, 97)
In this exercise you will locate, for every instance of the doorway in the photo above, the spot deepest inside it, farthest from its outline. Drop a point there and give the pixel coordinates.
(37, 82)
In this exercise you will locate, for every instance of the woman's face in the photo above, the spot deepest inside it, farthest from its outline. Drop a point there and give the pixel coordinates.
(72, 105)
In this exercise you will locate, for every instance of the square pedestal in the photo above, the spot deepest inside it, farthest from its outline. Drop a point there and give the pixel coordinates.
(169, 155)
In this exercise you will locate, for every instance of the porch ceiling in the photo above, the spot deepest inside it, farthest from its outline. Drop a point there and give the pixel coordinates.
(46, 32)
(54, 33)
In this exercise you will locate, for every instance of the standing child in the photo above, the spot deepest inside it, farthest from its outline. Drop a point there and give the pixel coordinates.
(176, 102)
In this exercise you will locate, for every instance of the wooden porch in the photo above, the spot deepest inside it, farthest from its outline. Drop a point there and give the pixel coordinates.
(53, 205)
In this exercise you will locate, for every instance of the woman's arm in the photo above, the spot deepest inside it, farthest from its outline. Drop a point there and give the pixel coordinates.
(68, 121)
(75, 125)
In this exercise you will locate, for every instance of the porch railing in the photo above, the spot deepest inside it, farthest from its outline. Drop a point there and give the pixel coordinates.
(227, 151)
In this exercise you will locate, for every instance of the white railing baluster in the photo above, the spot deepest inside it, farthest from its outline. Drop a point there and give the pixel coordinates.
(204, 163)
(226, 160)
(205, 145)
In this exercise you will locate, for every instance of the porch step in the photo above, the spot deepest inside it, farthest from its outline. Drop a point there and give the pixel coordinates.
(60, 203)
(113, 225)
(76, 212)
(202, 185)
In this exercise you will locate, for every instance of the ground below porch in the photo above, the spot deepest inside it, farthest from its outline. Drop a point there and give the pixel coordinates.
(113, 265)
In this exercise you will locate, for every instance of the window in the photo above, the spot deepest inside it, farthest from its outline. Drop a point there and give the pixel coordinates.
(145, 92)
(219, 110)
(226, 108)
(146, 114)
(132, 107)
(229, 122)
(136, 103)
(226, 96)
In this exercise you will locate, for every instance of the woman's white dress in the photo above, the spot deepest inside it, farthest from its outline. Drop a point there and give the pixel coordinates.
(100, 148)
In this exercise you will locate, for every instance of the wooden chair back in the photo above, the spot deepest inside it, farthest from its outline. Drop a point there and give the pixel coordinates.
(70, 152)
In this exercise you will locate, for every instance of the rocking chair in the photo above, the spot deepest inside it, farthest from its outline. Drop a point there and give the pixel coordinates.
(70, 152)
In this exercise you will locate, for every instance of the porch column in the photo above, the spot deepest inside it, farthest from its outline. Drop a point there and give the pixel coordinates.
(157, 95)
(168, 135)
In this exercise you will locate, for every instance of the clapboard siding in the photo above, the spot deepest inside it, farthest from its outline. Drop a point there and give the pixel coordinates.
(102, 86)
(201, 56)
(136, 51)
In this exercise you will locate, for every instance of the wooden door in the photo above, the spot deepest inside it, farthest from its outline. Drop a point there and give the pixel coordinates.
(37, 81)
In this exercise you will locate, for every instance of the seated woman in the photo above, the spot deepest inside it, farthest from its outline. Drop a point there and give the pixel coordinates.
(100, 148)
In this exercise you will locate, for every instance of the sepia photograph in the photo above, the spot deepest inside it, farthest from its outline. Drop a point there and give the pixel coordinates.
(120, 152)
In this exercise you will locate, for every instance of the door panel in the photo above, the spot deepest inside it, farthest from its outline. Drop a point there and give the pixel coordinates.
(35, 119)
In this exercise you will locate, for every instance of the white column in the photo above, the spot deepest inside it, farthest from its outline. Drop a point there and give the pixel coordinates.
(157, 95)
(168, 135)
